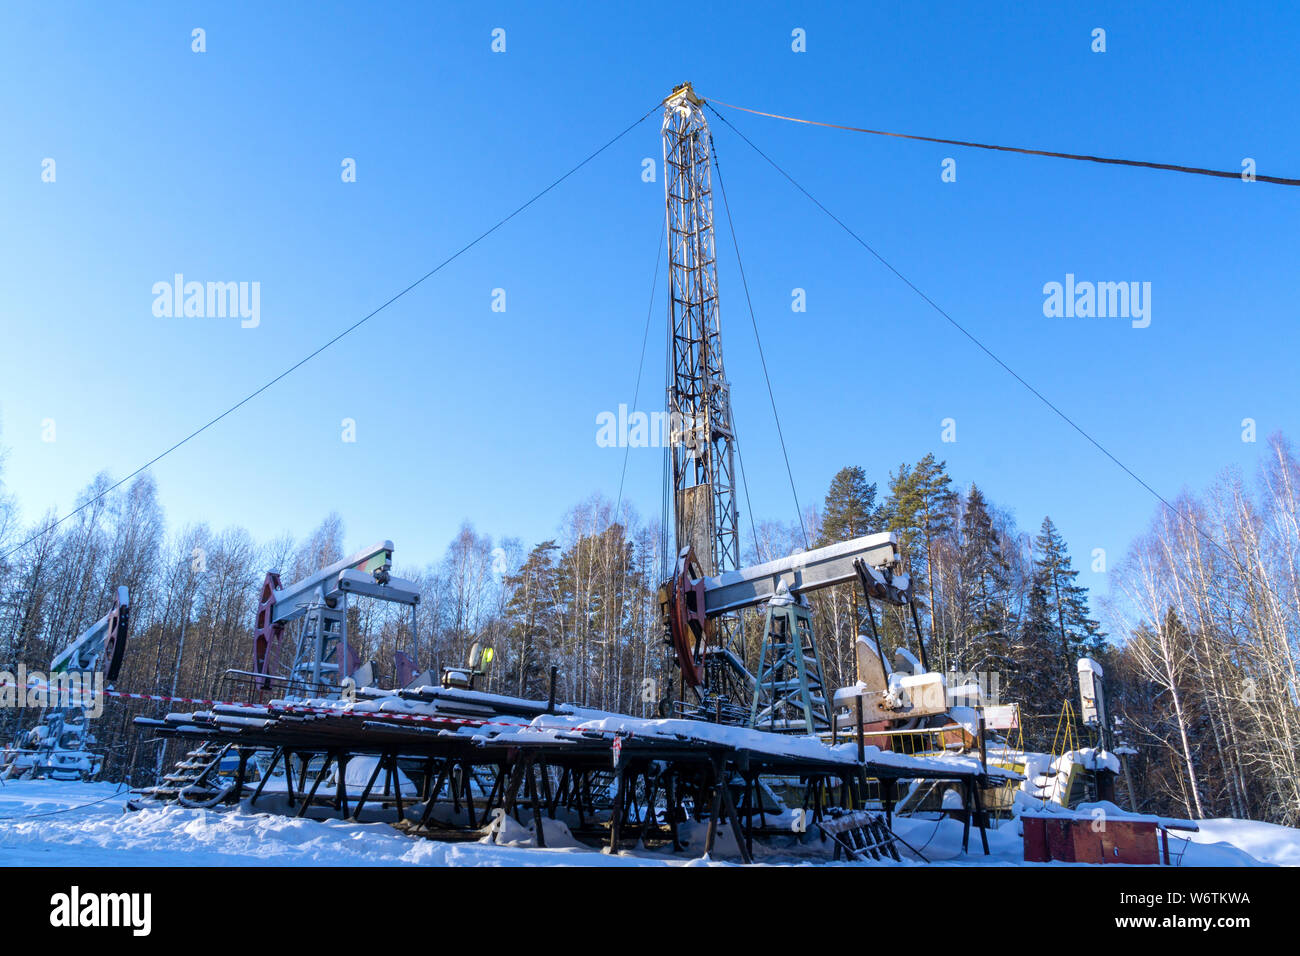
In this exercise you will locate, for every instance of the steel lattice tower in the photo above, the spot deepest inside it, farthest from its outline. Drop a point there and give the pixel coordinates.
(703, 438)
(699, 403)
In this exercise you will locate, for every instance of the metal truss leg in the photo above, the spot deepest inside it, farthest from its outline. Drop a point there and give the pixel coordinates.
(288, 775)
(965, 828)
(365, 794)
(275, 758)
(715, 780)
(537, 804)
(467, 777)
(320, 778)
(650, 818)
(620, 802)
(341, 789)
(432, 800)
(674, 810)
(397, 787)
(979, 818)
(512, 788)
(743, 839)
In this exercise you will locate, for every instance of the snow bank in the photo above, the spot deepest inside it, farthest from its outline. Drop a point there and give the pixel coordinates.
(102, 835)
(1266, 842)
(48, 823)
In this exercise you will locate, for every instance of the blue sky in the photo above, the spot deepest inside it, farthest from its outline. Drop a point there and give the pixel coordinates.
(225, 166)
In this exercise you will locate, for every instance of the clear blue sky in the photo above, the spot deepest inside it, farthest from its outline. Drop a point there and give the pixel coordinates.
(226, 166)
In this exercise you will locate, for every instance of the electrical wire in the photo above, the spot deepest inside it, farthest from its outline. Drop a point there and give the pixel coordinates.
(1171, 167)
(350, 329)
(933, 834)
(51, 813)
(744, 484)
(668, 561)
(984, 348)
(758, 340)
(640, 365)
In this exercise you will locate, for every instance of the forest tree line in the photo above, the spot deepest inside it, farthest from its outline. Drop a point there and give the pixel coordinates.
(1201, 657)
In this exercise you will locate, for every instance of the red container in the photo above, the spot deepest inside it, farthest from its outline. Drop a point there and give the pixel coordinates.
(1131, 841)
(1036, 840)
(1083, 840)
(1061, 842)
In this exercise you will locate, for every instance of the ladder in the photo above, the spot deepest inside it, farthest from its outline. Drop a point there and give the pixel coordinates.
(858, 835)
(191, 782)
(789, 694)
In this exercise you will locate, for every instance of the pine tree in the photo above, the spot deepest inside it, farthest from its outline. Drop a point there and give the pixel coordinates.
(1057, 629)
(849, 512)
(1037, 684)
(530, 615)
(850, 509)
(920, 510)
(987, 640)
(1077, 633)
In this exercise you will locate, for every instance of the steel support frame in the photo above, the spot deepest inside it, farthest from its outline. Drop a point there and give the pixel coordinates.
(777, 695)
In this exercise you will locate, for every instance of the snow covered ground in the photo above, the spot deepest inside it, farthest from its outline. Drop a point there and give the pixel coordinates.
(1266, 842)
(71, 833)
(45, 823)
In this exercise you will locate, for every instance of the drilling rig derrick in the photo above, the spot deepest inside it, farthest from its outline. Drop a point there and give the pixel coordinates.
(701, 623)
(702, 445)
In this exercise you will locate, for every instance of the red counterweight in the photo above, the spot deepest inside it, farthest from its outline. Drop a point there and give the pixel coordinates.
(266, 636)
(682, 603)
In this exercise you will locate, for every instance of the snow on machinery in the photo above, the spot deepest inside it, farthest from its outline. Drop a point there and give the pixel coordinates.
(323, 667)
(442, 758)
(322, 658)
(59, 746)
(898, 702)
(1075, 771)
(788, 694)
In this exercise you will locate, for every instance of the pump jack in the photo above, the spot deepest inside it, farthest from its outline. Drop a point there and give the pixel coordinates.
(322, 658)
(788, 693)
(323, 665)
(58, 746)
